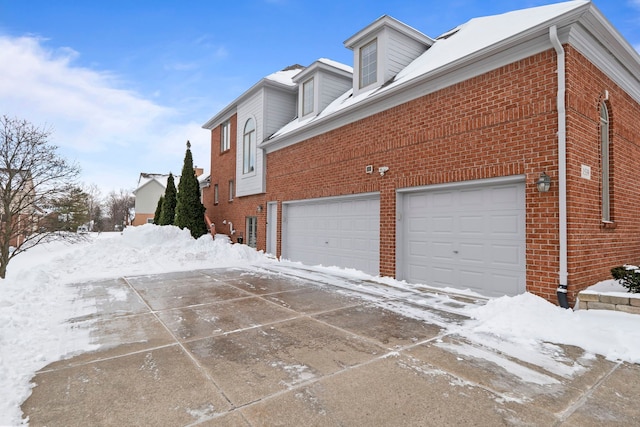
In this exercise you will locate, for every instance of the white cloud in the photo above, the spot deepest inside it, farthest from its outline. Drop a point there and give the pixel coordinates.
(114, 133)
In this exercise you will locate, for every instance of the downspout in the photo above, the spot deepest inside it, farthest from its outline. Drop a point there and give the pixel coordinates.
(562, 168)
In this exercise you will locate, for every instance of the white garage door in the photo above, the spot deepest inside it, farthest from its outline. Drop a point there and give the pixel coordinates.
(466, 237)
(341, 232)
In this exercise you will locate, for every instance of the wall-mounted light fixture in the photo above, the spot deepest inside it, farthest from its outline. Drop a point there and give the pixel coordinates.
(383, 169)
(259, 208)
(543, 183)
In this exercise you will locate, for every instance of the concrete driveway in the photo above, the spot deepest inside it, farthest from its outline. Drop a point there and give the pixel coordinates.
(234, 347)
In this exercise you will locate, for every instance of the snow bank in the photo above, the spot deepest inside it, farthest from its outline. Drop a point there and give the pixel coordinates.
(528, 320)
(35, 303)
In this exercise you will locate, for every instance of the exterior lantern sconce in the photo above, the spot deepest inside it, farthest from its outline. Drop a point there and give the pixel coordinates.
(259, 208)
(543, 183)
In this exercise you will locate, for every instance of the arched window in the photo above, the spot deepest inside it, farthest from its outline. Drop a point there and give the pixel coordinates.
(605, 162)
(249, 147)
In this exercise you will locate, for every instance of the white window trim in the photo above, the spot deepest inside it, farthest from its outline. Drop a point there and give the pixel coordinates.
(216, 194)
(249, 148)
(225, 136)
(605, 161)
(231, 190)
(372, 70)
(308, 99)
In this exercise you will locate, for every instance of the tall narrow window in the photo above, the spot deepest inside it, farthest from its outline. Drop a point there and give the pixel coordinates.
(225, 136)
(369, 64)
(231, 190)
(307, 97)
(605, 162)
(249, 147)
(216, 194)
(252, 231)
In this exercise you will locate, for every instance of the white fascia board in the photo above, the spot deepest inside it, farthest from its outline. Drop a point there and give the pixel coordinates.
(387, 21)
(319, 65)
(232, 108)
(609, 52)
(146, 184)
(221, 117)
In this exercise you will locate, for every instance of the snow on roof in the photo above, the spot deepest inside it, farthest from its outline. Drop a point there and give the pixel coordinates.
(462, 42)
(336, 64)
(285, 76)
(145, 178)
(480, 33)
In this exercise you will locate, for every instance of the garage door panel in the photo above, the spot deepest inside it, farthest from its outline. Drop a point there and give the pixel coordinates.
(472, 253)
(470, 198)
(442, 276)
(476, 233)
(336, 232)
(440, 224)
(472, 224)
(507, 284)
(473, 279)
(442, 251)
(507, 256)
(508, 195)
(507, 224)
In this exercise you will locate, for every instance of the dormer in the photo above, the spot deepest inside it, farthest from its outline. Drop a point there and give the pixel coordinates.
(320, 84)
(381, 50)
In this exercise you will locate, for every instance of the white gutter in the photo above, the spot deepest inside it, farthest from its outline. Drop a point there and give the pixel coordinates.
(562, 160)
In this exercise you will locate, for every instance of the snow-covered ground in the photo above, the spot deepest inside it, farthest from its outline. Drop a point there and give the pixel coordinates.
(35, 304)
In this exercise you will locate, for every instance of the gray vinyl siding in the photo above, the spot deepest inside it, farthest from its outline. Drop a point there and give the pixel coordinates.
(147, 197)
(251, 183)
(401, 52)
(331, 87)
(279, 108)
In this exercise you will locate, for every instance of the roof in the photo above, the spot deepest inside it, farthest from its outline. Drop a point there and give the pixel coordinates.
(329, 65)
(387, 21)
(146, 178)
(469, 43)
(282, 79)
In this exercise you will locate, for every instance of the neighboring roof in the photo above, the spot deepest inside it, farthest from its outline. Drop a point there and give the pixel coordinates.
(146, 178)
(204, 180)
(282, 79)
(468, 43)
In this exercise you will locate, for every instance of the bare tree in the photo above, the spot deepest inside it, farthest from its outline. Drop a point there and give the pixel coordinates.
(119, 208)
(94, 206)
(33, 178)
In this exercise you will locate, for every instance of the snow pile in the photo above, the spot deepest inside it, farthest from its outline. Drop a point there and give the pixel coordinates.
(35, 303)
(527, 321)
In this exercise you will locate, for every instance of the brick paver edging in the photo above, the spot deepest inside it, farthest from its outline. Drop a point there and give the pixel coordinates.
(590, 300)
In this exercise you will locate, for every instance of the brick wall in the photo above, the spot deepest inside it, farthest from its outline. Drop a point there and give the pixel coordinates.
(499, 124)
(223, 169)
(594, 249)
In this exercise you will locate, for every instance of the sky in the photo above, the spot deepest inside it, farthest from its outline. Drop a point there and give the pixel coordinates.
(124, 84)
(36, 305)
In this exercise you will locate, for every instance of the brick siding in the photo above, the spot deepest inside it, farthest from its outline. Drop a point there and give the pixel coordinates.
(501, 123)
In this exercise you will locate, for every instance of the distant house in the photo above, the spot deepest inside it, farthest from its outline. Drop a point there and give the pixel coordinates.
(151, 186)
(23, 214)
(501, 156)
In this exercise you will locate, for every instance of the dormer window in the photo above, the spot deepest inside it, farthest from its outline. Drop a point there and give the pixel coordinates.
(307, 97)
(381, 50)
(369, 63)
